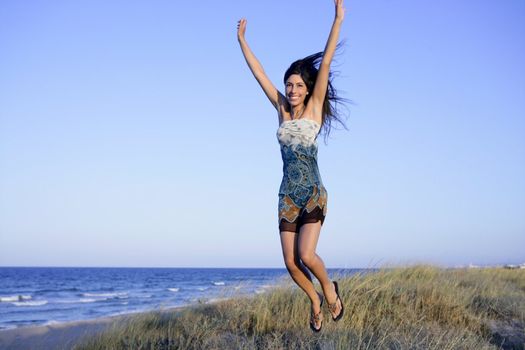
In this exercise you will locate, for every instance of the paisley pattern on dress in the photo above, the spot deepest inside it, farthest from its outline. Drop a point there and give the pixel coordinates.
(301, 187)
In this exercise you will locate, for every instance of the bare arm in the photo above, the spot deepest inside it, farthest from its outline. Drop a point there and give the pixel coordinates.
(319, 93)
(275, 97)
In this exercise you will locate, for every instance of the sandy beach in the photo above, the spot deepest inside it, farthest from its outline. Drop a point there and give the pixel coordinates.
(65, 335)
(55, 336)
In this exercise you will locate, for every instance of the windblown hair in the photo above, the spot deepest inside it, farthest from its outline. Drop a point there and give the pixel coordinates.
(308, 68)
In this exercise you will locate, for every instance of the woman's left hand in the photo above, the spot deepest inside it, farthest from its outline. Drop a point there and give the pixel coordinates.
(241, 28)
(339, 10)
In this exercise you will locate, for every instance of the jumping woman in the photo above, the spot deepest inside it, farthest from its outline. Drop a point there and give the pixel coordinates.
(307, 106)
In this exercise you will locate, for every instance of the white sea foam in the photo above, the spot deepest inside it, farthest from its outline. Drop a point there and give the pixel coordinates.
(88, 300)
(12, 298)
(126, 312)
(173, 289)
(219, 283)
(30, 303)
(106, 295)
(81, 300)
(202, 288)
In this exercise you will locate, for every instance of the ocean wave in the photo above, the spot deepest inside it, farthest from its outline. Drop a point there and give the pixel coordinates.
(11, 298)
(173, 289)
(57, 290)
(220, 283)
(67, 301)
(76, 301)
(121, 295)
(4, 327)
(202, 288)
(89, 300)
(30, 303)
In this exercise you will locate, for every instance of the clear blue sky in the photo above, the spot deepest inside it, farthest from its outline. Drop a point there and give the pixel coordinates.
(133, 134)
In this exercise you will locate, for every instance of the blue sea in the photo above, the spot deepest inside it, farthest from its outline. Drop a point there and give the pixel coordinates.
(40, 296)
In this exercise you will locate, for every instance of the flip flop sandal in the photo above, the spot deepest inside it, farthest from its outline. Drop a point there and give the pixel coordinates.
(333, 307)
(316, 318)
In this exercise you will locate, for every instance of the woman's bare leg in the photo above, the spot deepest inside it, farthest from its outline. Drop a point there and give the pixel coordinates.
(308, 238)
(298, 272)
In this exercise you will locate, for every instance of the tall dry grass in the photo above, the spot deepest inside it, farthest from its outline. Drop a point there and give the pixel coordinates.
(421, 307)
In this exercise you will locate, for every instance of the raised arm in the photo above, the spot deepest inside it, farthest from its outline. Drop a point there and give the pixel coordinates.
(275, 97)
(321, 83)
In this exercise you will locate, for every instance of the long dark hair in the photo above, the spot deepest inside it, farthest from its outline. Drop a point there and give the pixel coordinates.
(308, 68)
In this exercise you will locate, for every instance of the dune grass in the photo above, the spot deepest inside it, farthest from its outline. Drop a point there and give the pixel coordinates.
(420, 307)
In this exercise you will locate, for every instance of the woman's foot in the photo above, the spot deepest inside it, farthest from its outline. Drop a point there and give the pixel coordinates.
(316, 316)
(336, 308)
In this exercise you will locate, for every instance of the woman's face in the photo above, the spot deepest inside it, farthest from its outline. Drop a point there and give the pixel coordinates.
(295, 90)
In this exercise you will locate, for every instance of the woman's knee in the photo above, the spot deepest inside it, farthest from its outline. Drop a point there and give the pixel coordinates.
(291, 263)
(308, 258)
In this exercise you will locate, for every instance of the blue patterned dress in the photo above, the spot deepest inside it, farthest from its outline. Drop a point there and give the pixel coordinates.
(302, 196)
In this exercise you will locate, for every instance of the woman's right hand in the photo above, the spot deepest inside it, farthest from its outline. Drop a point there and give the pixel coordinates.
(241, 28)
(339, 10)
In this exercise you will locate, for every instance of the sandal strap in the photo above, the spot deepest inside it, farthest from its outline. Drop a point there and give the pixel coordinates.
(316, 319)
(333, 306)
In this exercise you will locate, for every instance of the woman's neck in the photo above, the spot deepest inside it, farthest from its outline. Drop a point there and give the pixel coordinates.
(297, 111)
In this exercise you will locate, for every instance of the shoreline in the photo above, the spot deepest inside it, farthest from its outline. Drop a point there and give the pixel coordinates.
(45, 296)
(65, 335)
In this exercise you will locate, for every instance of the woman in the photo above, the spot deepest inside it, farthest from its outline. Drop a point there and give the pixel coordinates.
(303, 110)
